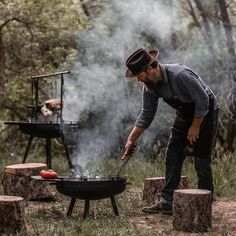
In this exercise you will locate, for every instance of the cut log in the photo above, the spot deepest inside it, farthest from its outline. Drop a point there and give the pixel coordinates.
(17, 182)
(153, 187)
(12, 217)
(192, 210)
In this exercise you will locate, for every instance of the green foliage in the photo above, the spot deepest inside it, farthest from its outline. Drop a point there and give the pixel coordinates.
(38, 37)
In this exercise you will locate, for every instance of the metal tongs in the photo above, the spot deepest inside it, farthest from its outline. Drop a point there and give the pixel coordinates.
(121, 163)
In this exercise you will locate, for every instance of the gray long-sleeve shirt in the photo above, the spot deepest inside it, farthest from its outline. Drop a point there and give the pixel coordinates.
(178, 81)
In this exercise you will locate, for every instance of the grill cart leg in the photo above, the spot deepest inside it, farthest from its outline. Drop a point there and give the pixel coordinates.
(71, 206)
(86, 208)
(113, 202)
(48, 153)
(27, 148)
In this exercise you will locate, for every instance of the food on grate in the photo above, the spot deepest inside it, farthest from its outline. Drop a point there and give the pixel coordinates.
(48, 174)
(53, 104)
(45, 111)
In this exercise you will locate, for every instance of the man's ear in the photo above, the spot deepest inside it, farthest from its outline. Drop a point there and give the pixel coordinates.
(149, 69)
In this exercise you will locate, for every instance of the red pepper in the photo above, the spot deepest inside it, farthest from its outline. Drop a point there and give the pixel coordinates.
(48, 174)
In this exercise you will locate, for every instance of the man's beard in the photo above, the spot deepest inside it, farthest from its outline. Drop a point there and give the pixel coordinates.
(151, 83)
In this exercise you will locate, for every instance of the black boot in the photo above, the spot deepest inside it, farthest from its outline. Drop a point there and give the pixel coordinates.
(159, 207)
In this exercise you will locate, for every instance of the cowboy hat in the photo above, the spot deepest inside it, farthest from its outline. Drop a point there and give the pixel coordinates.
(139, 62)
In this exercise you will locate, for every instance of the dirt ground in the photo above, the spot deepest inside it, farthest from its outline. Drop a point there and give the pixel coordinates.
(223, 221)
(223, 218)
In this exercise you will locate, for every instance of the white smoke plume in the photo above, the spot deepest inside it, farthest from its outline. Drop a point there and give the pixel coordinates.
(98, 86)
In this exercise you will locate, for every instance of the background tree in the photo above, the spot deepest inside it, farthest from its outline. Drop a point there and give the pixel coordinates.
(35, 37)
(230, 74)
(218, 34)
(39, 37)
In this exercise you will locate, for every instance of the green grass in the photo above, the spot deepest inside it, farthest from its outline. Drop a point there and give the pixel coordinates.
(49, 218)
(88, 227)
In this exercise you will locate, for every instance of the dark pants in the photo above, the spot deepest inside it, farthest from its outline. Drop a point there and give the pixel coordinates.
(175, 155)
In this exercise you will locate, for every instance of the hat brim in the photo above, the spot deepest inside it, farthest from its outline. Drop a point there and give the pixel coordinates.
(129, 75)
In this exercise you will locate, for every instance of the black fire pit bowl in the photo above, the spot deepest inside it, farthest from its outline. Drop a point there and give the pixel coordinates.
(91, 189)
(88, 188)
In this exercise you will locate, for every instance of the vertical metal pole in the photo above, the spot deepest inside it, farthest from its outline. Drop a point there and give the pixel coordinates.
(27, 148)
(71, 206)
(86, 208)
(32, 96)
(37, 98)
(67, 152)
(62, 91)
(115, 209)
(48, 153)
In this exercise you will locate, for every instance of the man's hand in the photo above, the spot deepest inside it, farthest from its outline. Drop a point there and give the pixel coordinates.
(129, 147)
(193, 134)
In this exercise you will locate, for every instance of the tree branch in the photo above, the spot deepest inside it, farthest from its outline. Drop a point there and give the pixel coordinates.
(13, 110)
(192, 13)
(227, 27)
(26, 23)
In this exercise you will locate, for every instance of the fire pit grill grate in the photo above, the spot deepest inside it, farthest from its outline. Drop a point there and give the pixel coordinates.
(56, 127)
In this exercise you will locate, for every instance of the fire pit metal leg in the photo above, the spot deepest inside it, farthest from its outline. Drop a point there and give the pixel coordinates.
(86, 208)
(115, 209)
(71, 206)
(48, 153)
(27, 148)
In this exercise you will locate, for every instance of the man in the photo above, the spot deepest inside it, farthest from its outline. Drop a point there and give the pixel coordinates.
(195, 126)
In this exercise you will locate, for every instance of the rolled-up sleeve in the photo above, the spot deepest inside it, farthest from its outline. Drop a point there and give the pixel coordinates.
(190, 84)
(149, 107)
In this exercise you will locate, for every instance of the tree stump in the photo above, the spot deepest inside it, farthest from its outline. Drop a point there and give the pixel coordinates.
(12, 217)
(153, 187)
(192, 210)
(17, 181)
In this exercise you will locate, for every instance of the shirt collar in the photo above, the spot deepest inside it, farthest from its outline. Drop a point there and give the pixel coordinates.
(163, 72)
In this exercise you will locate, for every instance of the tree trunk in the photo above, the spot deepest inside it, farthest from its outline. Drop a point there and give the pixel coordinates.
(231, 73)
(206, 25)
(193, 14)
(12, 217)
(218, 34)
(230, 136)
(2, 68)
(17, 181)
(192, 210)
(227, 27)
(157, 42)
(153, 187)
(85, 9)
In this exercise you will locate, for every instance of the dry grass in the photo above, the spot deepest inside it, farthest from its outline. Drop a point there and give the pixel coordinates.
(49, 218)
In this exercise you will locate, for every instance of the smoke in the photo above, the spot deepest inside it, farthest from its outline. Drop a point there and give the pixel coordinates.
(98, 92)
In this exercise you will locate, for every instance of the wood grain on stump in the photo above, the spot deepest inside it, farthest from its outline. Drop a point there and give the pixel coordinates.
(153, 187)
(12, 217)
(17, 182)
(192, 210)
